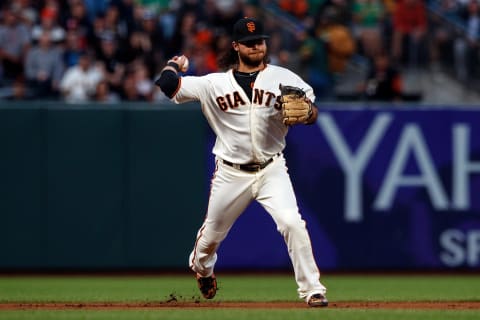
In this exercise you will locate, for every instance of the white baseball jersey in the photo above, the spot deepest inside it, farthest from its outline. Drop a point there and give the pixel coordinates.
(249, 131)
(244, 130)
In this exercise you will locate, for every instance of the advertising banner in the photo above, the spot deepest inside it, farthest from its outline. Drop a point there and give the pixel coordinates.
(382, 188)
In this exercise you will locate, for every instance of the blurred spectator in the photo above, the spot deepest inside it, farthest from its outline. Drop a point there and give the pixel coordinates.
(204, 58)
(297, 8)
(110, 58)
(72, 49)
(44, 68)
(95, 7)
(114, 24)
(26, 12)
(80, 81)
(130, 91)
(19, 91)
(155, 6)
(409, 30)
(94, 36)
(150, 28)
(216, 13)
(314, 6)
(338, 38)
(103, 93)
(278, 55)
(341, 7)
(387, 24)
(314, 63)
(367, 23)
(442, 34)
(59, 5)
(251, 9)
(130, 34)
(184, 34)
(49, 23)
(14, 44)
(467, 48)
(383, 82)
(143, 81)
(77, 19)
(15, 91)
(126, 10)
(167, 21)
(139, 46)
(202, 62)
(149, 24)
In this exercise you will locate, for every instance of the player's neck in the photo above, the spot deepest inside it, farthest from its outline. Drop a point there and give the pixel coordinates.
(250, 69)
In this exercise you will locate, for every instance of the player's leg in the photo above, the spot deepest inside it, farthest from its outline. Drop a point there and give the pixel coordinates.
(276, 195)
(230, 194)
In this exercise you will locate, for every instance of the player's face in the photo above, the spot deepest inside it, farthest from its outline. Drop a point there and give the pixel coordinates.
(252, 52)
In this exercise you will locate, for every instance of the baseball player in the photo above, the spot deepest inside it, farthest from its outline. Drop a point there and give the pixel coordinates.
(250, 107)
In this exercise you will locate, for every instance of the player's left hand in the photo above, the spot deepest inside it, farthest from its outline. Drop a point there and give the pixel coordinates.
(296, 108)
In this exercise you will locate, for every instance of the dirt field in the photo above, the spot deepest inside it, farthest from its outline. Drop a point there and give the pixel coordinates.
(417, 305)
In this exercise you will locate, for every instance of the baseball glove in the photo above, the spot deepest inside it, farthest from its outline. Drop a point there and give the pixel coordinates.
(296, 108)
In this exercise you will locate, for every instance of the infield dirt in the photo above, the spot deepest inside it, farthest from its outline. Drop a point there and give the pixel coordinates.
(416, 305)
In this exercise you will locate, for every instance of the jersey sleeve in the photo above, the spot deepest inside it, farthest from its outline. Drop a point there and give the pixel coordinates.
(300, 83)
(191, 88)
(287, 77)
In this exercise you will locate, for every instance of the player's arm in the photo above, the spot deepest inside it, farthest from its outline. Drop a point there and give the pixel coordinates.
(169, 80)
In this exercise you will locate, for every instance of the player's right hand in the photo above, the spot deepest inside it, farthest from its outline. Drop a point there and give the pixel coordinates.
(181, 61)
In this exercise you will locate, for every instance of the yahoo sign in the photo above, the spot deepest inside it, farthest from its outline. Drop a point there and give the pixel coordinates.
(381, 188)
(411, 144)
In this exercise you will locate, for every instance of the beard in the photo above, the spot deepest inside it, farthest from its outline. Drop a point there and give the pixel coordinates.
(254, 60)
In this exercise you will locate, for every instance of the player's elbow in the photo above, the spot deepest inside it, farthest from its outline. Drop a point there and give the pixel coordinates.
(169, 83)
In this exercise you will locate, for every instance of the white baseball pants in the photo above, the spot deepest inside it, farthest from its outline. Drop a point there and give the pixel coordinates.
(232, 190)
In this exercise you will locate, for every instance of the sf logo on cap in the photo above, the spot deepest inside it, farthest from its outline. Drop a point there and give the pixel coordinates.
(251, 26)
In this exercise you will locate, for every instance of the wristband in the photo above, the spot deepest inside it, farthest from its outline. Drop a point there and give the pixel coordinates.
(174, 65)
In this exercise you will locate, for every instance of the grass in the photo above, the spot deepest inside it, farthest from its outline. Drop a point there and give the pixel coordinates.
(238, 288)
(323, 314)
(404, 288)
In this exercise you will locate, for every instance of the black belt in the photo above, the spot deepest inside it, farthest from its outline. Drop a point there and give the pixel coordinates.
(251, 167)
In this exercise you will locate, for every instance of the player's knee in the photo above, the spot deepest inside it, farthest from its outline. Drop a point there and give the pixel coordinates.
(291, 223)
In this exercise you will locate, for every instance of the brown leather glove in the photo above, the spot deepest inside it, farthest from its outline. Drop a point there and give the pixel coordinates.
(296, 108)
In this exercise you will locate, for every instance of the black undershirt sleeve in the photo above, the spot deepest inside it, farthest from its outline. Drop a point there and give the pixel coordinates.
(168, 82)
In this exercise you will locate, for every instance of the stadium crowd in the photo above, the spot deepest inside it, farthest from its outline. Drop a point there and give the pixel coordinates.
(113, 50)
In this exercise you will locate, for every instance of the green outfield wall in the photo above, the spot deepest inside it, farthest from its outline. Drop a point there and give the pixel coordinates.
(107, 187)
(100, 186)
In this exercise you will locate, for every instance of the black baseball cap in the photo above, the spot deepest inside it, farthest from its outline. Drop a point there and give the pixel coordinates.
(247, 29)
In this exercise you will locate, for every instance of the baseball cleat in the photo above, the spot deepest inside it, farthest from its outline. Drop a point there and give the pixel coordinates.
(317, 300)
(207, 286)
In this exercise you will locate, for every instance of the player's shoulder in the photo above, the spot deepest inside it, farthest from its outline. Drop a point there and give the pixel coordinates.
(210, 78)
(274, 67)
(206, 79)
(216, 76)
(277, 70)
